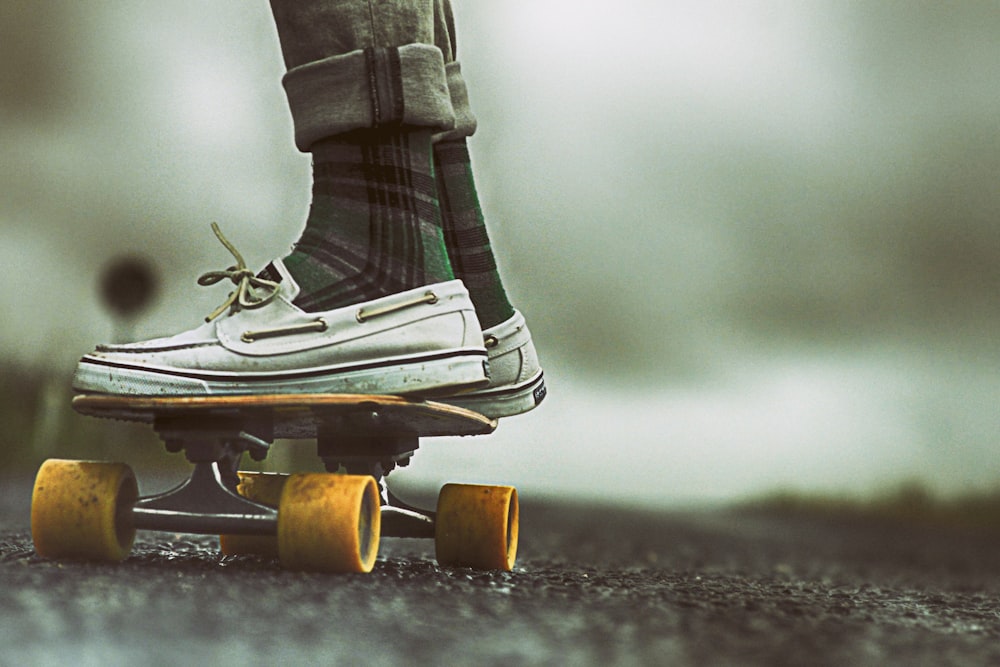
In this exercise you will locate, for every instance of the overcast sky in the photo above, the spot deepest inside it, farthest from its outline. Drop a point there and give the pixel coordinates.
(757, 242)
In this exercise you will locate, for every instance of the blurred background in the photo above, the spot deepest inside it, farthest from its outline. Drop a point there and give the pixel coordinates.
(757, 243)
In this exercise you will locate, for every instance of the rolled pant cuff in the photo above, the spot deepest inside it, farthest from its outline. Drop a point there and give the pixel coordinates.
(465, 120)
(370, 88)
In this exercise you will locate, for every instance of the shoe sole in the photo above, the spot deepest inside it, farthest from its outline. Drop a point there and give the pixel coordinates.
(410, 375)
(505, 401)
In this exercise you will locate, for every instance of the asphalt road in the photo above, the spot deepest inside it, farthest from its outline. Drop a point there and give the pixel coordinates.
(593, 586)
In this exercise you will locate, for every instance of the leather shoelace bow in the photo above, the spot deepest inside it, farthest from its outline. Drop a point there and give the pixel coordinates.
(251, 291)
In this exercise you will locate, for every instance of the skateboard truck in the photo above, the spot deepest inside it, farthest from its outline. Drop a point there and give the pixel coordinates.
(377, 456)
(204, 504)
(208, 502)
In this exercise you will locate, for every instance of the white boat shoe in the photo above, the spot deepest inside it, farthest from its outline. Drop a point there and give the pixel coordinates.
(424, 341)
(517, 384)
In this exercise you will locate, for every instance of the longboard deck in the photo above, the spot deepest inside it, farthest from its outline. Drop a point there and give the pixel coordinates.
(298, 415)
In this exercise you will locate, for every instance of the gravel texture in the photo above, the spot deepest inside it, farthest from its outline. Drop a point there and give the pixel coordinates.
(593, 586)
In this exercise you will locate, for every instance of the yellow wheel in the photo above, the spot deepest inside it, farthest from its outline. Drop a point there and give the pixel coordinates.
(83, 510)
(476, 526)
(329, 523)
(261, 487)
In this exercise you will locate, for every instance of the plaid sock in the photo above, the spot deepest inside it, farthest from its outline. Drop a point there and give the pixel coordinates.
(465, 235)
(374, 227)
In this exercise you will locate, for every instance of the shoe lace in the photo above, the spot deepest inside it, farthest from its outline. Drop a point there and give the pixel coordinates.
(248, 284)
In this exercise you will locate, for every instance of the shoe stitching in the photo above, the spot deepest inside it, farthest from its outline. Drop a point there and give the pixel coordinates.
(320, 325)
(111, 349)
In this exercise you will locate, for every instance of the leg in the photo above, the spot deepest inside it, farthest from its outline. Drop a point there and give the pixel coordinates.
(412, 92)
(517, 384)
(370, 86)
(367, 88)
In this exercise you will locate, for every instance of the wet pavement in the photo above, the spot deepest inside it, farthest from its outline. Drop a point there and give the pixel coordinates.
(593, 586)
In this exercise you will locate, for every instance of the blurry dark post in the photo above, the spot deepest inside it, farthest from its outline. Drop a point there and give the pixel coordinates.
(128, 286)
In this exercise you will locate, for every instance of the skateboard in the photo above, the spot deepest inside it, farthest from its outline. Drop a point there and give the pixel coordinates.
(326, 522)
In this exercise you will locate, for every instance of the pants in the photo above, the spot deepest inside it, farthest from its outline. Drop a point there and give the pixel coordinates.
(357, 64)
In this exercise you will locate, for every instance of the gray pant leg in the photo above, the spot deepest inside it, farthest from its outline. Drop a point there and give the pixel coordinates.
(356, 64)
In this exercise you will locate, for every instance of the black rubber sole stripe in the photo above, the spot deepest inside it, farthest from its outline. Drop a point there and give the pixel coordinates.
(223, 376)
(507, 390)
